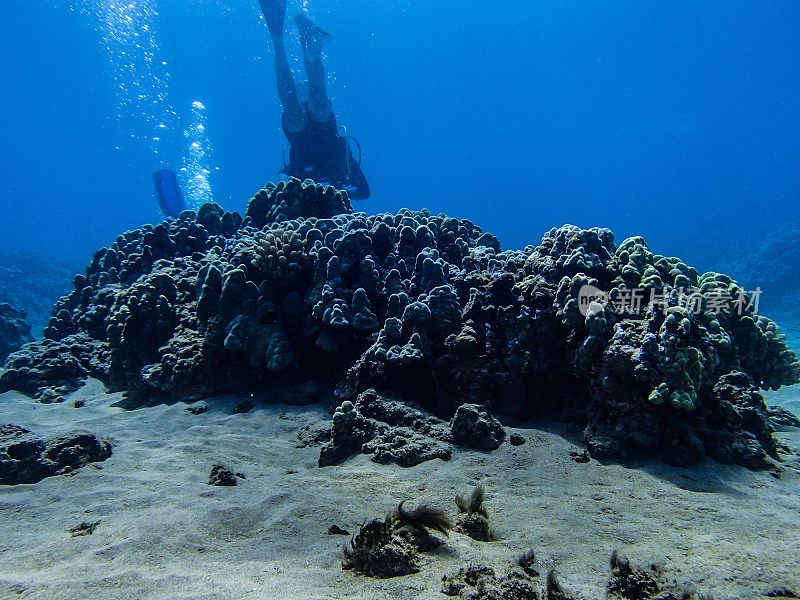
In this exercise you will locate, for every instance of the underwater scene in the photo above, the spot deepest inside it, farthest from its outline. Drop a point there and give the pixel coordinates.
(400, 299)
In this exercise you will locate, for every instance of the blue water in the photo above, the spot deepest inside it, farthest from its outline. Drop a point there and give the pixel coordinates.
(674, 120)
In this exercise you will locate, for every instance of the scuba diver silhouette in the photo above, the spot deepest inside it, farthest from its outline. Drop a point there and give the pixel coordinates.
(317, 150)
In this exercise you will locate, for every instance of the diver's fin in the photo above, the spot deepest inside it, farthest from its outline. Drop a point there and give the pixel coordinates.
(169, 193)
(312, 37)
(274, 12)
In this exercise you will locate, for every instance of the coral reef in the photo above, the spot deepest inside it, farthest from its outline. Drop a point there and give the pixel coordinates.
(650, 357)
(349, 432)
(14, 330)
(25, 458)
(51, 369)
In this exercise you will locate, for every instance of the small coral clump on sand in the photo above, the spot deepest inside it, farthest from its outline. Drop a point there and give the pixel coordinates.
(473, 518)
(222, 476)
(390, 548)
(627, 582)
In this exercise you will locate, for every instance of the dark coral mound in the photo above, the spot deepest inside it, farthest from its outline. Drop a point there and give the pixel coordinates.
(14, 330)
(422, 307)
(389, 431)
(475, 427)
(25, 458)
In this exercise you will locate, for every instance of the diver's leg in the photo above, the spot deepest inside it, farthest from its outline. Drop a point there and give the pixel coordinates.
(294, 116)
(313, 39)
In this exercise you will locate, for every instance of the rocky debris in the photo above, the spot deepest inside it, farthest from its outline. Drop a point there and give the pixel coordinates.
(405, 447)
(83, 528)
(390, 548)
(336, 530)
(222, 476)
(244, 406)
(781, 417)
(454, 585)
(634, 346)
(475, 427)
(479, 582)
(627, 582)
(197, 408)
(25, 458)
(516, 439)
(581, 457)
(525, 561)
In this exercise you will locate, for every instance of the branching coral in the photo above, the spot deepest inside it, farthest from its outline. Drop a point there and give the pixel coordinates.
(281, 255)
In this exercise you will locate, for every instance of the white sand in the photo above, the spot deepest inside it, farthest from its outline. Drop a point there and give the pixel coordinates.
(165, 533)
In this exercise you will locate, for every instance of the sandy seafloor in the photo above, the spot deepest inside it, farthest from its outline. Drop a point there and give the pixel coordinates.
(163, 532)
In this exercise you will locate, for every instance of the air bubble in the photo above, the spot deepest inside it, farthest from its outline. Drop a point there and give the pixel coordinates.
(195, 169)
(140, 75)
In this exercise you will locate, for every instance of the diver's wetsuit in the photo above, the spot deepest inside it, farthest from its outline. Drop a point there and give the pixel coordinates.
(318, 152)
